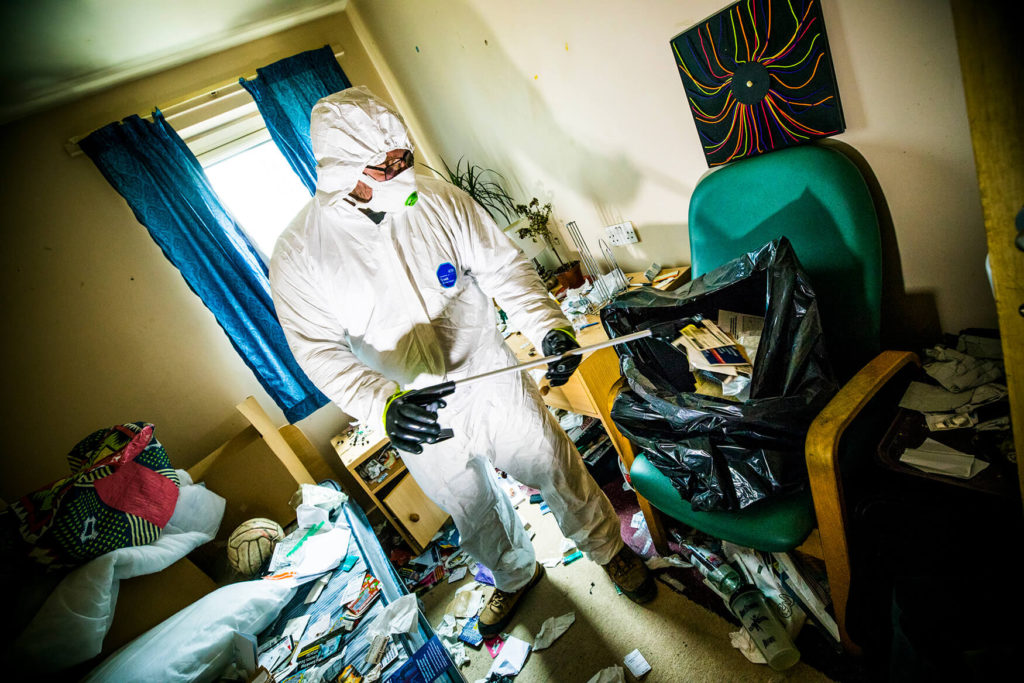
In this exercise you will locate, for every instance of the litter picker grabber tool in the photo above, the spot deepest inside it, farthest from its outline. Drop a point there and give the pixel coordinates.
(432, 395)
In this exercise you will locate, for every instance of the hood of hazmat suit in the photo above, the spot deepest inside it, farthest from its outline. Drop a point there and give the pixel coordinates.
(370, 308)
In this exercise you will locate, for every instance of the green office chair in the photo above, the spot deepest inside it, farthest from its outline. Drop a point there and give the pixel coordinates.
(816, 197)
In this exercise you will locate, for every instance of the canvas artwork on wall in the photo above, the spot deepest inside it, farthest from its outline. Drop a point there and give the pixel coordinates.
(758, 77)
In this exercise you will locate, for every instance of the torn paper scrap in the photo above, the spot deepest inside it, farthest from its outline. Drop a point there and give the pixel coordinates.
(510, 660)
(938, 458)
(551, 629)
(636, 663)
(637, 520)
(458, 574)
(551, 562)
(467, 604)
(613, 674)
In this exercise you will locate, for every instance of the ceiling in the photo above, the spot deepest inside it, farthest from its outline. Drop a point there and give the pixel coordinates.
(54, 51)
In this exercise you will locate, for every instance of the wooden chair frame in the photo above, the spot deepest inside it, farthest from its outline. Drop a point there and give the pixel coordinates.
(829, 541)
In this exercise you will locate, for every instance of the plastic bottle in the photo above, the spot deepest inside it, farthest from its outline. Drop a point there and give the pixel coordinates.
(750, 607)
(764, 627)
(717, 571)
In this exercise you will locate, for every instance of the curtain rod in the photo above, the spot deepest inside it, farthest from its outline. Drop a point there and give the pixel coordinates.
(183, 107)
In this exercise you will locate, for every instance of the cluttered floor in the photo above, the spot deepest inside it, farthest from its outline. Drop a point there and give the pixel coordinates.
(685, 634)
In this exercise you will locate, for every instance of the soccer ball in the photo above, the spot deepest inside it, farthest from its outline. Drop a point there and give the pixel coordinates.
(252, 544)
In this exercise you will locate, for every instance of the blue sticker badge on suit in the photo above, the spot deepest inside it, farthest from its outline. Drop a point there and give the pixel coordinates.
(446, 274)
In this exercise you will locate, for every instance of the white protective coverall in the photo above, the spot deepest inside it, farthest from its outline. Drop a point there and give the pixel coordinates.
(369, 308)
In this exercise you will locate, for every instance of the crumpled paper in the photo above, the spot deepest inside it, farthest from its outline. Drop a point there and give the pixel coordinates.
(511, 659)
(958, 372)
(552, 629)
(319, 496)
(613, 674)
(397, 617)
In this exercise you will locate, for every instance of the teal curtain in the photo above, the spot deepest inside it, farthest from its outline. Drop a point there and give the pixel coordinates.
(285, 93)
(165, 186)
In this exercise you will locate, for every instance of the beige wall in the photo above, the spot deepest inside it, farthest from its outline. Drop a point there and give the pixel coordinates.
(579, 102)
(101, 329)
(576, 102)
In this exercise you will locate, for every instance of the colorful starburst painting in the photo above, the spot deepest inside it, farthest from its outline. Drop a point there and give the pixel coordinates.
(758, 76)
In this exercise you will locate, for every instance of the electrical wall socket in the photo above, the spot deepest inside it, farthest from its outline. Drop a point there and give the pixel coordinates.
(621, 233)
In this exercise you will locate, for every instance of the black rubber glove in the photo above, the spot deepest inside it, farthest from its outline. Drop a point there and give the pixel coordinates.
(556, 342)
(410, 417)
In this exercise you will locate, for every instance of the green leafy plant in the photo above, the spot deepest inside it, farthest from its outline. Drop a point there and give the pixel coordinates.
(537, 218)
(482, 184)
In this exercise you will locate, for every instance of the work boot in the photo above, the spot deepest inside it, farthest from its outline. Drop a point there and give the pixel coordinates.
(630, 574)
(502, 606)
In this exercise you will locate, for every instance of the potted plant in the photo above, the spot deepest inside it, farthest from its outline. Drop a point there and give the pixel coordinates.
(568, 273)
(481, 184)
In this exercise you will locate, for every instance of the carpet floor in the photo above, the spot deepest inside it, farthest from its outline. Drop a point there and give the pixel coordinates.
(682, 635)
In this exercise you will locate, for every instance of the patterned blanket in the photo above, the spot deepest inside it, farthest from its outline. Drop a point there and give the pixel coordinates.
(121, 492)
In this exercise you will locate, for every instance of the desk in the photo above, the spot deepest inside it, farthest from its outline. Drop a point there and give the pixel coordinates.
(393, 491)
(589, 389)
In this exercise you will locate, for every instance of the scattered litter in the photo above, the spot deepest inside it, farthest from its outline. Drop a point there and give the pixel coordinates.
(483, 574)
(544, 509)
(456, 559)
(672, 582)
(613, 674)
(494, 645)
(937, 458)
(958, 371)
(638, 520)
(567, 547)
(569, 559)
(510, 660)
(551, 562)
(592, 584)
(316, 589)
(636, 663)
(428, 559)
(448, 627)
(658, 562)
(552, 629)
(470, 633)
(352, 590)
(536, 498)
(467, 602)
(458, 574)
(398, 617)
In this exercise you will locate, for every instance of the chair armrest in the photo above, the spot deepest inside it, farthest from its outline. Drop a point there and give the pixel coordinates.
(822, 454)
(622, 444)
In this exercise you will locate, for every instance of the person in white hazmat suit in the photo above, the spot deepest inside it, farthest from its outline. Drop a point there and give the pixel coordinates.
(383, 286)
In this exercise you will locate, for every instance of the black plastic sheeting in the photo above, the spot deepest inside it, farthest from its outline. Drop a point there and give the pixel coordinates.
(722, 454)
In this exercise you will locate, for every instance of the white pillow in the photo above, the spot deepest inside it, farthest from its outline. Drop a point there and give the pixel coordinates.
(196, 643)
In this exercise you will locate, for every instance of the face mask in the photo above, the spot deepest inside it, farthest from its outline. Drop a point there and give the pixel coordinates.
(395, 195)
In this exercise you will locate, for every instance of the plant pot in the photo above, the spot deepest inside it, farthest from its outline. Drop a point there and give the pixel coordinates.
(571, 278)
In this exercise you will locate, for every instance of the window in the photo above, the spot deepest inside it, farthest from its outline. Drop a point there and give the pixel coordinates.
(254, 182)
(260, 190)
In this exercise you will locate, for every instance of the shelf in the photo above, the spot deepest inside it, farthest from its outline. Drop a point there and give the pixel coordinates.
(395, 470)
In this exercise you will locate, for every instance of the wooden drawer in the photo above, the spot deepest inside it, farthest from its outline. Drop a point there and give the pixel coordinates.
(419, 515)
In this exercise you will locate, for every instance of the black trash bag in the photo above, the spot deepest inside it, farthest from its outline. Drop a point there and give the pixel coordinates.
(722, 454)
